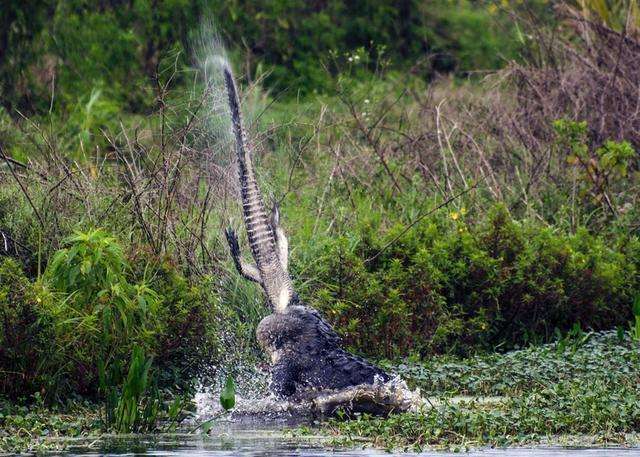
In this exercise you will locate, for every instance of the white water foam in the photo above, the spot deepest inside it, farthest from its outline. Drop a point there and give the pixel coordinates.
(261, 406)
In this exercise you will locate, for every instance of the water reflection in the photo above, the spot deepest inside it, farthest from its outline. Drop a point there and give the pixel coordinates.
(274, 440)
(262, 427)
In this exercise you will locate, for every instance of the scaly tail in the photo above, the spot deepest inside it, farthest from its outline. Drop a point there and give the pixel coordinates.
(273, 276)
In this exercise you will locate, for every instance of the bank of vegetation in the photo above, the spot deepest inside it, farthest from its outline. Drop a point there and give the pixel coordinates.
(581, 391)
(457, 181)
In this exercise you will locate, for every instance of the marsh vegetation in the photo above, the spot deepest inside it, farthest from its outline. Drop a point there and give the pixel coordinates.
(580, 391)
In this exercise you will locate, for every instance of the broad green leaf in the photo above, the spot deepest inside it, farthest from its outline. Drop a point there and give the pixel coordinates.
(228, 394)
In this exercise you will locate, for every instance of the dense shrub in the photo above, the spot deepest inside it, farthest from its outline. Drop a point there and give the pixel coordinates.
(76, 329)
(189, 344)
(453, 286)
(27, 338)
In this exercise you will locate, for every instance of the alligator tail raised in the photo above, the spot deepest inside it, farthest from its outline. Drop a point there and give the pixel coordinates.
(266, 238)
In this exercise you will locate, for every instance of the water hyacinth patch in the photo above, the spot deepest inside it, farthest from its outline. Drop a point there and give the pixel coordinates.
(584, 394)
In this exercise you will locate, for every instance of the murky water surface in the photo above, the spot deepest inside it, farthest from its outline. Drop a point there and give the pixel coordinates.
(274, 440)
(262, 426)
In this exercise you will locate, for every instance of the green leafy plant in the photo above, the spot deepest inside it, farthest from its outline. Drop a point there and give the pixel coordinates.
(133, 402)
(599, 167)
(100, 312)
(139, 402)
(573, 339)
(228, 394)
(74, 330)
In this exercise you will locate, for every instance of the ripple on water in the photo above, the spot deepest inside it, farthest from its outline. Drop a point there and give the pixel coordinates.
(234, 440)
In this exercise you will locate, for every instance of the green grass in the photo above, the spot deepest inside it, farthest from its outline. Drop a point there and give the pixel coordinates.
(585, 392)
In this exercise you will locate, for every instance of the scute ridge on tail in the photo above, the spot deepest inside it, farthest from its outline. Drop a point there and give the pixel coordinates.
(262, 240)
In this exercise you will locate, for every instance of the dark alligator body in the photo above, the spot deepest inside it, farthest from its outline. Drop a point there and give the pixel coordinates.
(307, 356)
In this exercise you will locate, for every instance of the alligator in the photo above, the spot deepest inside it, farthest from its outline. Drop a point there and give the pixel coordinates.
(308, 362)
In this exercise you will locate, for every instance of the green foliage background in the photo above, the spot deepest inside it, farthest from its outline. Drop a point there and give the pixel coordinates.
(120, 47)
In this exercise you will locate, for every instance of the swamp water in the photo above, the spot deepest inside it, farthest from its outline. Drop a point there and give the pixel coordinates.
(234, 440)
(260, 428)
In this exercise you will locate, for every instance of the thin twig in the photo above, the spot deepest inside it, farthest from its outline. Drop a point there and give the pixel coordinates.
(445, 167)
(24, 190)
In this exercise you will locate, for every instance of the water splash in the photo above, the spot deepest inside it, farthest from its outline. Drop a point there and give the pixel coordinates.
(263, 407)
